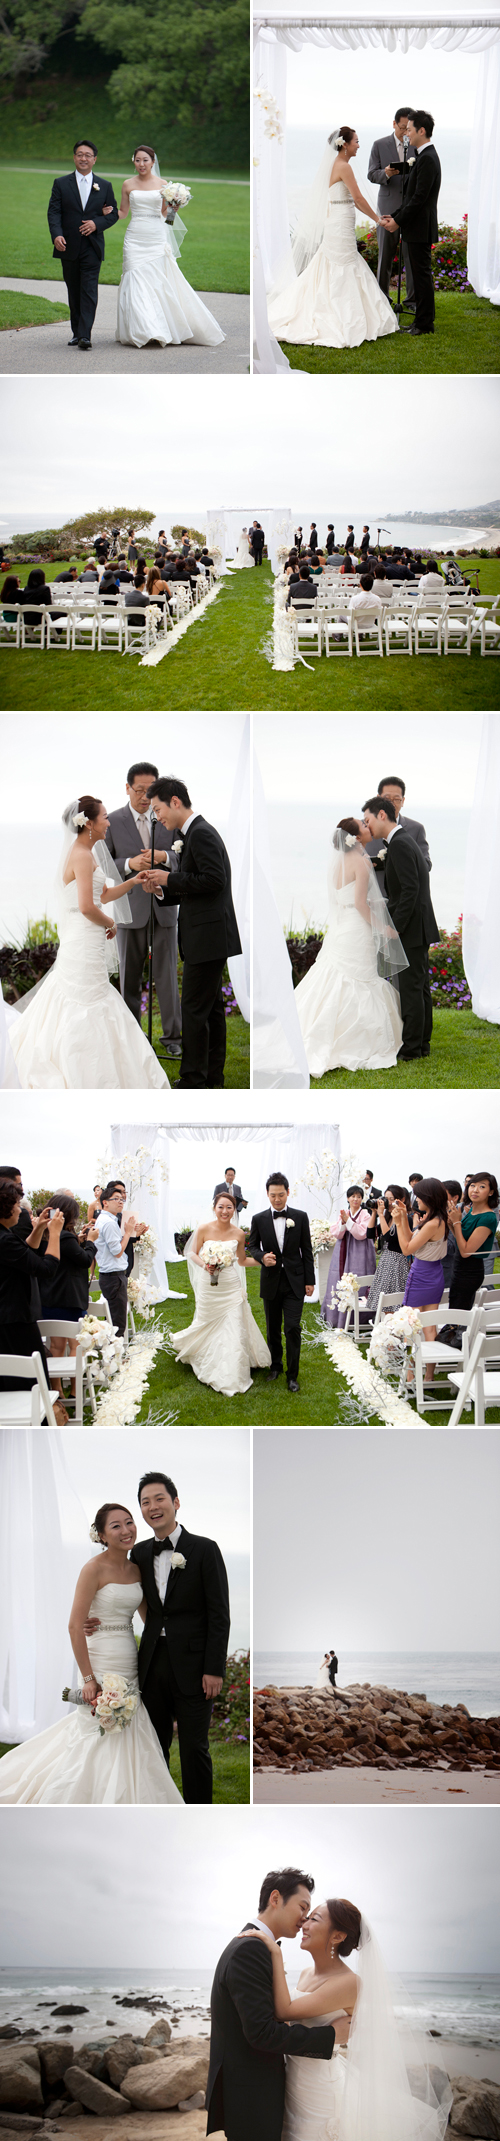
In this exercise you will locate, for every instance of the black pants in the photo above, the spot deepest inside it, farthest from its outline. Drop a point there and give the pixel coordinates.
(388, 242)
(285, 1309)
(22, 1338)
(164, 1703)
(203, 1024)
(82, 283)
(258, 553)
(132, 951)
(114, 1287)
(416, 1001)
(467, 1278)
(421, 268)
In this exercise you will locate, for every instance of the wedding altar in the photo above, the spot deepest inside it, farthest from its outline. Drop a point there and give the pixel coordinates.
(224, 525)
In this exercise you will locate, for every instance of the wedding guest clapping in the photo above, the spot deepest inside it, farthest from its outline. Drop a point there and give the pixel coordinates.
(474, 1232)
(65, 1292)
(20, 1262)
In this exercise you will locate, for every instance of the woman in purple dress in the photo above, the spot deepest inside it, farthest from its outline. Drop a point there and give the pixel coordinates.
(354, 1251)
(427, 1247)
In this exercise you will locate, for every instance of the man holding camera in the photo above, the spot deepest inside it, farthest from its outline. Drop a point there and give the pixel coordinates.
(386, 169)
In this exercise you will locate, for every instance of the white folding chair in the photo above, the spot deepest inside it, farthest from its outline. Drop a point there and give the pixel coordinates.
(367, 624)
(398, 629)
(111, 617)
(84, 624)
(309, 625)
(432, 1353)
(337, 630)
(32, 635)
(474, 1386)
(57, 629)
(138, 630)
(489, 629)
(457, 627)
(30, 1408)
(69, 1367)
(429, 615)
(385, 1306)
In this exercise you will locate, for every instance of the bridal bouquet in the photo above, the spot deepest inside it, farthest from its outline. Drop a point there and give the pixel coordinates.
(322, 1236)
(220, 1253)
(389, 1341)
(346, 1290)
(175, 193)
(115, 1706)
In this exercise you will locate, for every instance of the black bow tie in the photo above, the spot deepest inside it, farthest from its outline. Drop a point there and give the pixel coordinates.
(163, 1546)
(281, 1215)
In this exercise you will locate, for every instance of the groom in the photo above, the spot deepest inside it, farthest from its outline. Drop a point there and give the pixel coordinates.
(410, 907)
(81, 207)
(182, 1655)
(417, 220)
(208, 929)
(280, 1242)
(246, 2081)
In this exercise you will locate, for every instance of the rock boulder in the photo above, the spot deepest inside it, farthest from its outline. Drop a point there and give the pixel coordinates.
(476, 2109)
(169, 2081)
(125, 2052)
(20, 2080)
(160, 2033)
(94, 2094)
(55, 2058)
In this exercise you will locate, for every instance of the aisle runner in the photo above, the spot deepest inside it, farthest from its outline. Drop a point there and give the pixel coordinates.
(121, 1401)
(156, 654)
(366, 1381)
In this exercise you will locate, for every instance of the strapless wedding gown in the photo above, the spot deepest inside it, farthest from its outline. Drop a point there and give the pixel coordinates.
(322, 1681)
(77, 1031)
(72, 1764)
(349, 1018)
(243, 554)
(336, 303)
(323, 2104)
(223, 1342)
(155, 303)
(314, 2087)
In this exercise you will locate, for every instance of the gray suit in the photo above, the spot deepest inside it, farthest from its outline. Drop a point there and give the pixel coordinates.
(390, 196)
(123, 838)
(416, 832)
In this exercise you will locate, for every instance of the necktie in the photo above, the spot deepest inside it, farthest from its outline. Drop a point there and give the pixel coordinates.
(144, 830)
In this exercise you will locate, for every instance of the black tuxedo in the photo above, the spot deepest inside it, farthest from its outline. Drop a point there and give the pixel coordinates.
(283, 1284)
(195, 1621)
(257, 542)
(333, 1669)
(246, 2081)
(417, 219)
(82, 259)
(208, 935)
(313, 538)
(410, 906)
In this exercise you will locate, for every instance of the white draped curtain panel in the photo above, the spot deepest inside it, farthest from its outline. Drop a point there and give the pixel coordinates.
(238, 841)
(480, 923)
(44, 1541)
(273, 33)
(287, 1146)
(279, 1057)
(151, 1205)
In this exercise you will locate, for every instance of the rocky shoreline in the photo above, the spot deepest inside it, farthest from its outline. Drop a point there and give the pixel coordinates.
(129, 2084)
(299, 1729)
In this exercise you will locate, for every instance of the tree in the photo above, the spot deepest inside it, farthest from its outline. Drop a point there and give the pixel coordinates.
(190, 59)
(82, 529)
(28, 28)
(194, 534)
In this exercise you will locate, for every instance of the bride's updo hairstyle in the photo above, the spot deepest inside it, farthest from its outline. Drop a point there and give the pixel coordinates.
(347, 133)
(91, 804)
(101, 1518)
(228, 1194)
(345, 1918)
(144, 149)
(348, 825)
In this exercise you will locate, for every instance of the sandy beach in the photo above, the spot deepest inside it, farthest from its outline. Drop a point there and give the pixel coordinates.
(364, 1786)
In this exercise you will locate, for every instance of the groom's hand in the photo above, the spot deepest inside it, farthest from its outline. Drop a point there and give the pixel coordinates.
(211, 1687)
(90, 1626)
(270, 1258)
(309, 1289)
(389, 223)
(60, 243)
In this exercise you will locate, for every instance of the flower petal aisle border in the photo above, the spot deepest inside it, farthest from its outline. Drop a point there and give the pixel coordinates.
(366, 1382)
(156, 654)
(120, 1404)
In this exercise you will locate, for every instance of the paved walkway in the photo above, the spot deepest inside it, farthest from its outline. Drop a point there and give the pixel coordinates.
(45, 349)
(373, 1787)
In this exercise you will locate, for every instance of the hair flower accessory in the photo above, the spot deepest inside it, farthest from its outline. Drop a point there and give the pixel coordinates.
(94, 1535)
(350, 840)
(178, 1561)
(79, 819)
(336, 141)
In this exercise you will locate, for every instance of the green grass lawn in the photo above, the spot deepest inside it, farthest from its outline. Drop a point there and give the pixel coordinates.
(215, 253)
(324, 1397)
(221, 664)
(17, 310)
(466, 339)
(237, 1071)
(465, 1052)
(231, 1767)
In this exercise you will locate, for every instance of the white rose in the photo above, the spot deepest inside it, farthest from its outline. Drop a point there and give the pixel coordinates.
(289, 1222)
(178, 1561)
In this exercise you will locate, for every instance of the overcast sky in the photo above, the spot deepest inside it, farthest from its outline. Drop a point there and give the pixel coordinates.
(384, 1519)
(426, 448)
(154, 1888)
(436, 757)
(48, 762)
(212, 1476)
(444, 1133)
(369, 86)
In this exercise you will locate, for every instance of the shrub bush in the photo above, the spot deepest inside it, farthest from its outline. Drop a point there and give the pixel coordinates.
(231, 1710)
(303, 946)
(449, 256)
(449, 985)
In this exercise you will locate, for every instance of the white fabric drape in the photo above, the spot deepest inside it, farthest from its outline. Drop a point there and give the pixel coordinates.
(274, 31)
(279, 1057)
(480, 923)
(151, 1205)
(288, 1146)
(44, 1541)
(238, 841)
(9, 1081)
(483, 250)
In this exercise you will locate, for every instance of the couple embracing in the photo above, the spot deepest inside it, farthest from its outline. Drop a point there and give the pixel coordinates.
(366, 1003)
(113, 1747)
(327, 2064)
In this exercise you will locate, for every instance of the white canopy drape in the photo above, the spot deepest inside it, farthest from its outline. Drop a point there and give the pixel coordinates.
(275, 520)
(480, 923)
(454, 31)
(288, 1146)
(238, 841)
(149, 1204)
(279, 1057)
(44, 1541)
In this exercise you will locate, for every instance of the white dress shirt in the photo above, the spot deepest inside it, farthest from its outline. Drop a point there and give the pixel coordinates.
(84, 183)
(394, 829)
(424, 145)
(261, 1927)
(279, 1220)
(162, 1562)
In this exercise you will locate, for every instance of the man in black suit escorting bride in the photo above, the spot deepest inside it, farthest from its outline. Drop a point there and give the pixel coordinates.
(208, 929)
(409, 901)
(246, 2081)
(280, 1242)
(81, 208)
(417, 218)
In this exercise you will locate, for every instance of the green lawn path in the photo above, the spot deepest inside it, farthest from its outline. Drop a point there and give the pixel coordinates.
(466, 339)
(222, 664)
(237, 1071)
(215, 252)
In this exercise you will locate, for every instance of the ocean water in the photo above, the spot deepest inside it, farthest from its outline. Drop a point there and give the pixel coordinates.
(472, 1677)
(301, 851)
(464, 2008)
(304, 149)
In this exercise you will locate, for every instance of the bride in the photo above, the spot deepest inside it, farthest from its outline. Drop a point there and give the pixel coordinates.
(377, 2086)
(348, 1006)
(155, 303)
(223, 1343)
(72, 1763)
(335, 301)
(74, 1029)
(243, 551)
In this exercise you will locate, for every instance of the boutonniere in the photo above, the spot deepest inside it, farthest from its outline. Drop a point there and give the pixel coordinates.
(411, 160)
(382, 854)
(289, 1222)
(95, 187)
(177, 847)
(178, 1561)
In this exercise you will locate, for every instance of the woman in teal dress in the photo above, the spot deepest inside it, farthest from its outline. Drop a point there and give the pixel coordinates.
(474, 1233)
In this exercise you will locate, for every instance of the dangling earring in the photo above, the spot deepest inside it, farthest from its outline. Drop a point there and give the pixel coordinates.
(333, 1951)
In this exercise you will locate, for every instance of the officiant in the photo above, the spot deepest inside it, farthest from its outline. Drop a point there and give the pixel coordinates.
(129, 840)
(386, 153)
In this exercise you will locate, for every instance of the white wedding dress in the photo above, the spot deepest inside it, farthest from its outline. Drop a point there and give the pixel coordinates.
(349, 1018)
(336, 302)
(314, 2087)
(155, 303)
(322, 1681)
(223, 1343)
(243, 553)
(72, 1764)
(76, 1030)
(383, 2086)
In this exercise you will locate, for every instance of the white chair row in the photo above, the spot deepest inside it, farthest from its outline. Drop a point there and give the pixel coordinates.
(99, 622)
(422, 627)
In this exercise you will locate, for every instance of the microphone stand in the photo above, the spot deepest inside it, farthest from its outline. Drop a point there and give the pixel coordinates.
(399, 305)
(151, 938)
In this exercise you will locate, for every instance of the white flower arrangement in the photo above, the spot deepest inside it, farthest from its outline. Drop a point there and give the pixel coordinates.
(103, 1343)
(389, 1342)
(221, 1254)
(115, 1706)
(137, 1169)
(365, 1382)
(120, 1404)
(272, 119)
(143, 1296)
(322, 1236)
(174, 190)
(146, 1247)
(346, 1291)
(79, 819)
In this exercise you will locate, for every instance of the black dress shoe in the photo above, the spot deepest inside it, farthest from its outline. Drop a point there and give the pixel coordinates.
(84, 345)
(409, 304)
(418, 330)
(273, 1375)
(172, 1048)
(74, 343)
(406, 1055)
(291, 1384)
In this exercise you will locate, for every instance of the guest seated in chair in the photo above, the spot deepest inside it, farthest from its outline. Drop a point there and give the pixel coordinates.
(36, 586)
(366, 595)
(10, 593)
(303, 589)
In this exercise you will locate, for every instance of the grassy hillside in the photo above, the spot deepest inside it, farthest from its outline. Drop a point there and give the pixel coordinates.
(42, 125)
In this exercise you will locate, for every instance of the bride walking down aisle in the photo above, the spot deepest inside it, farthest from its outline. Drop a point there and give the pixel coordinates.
(155, 303)
(223, 1343)
(335, 301)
